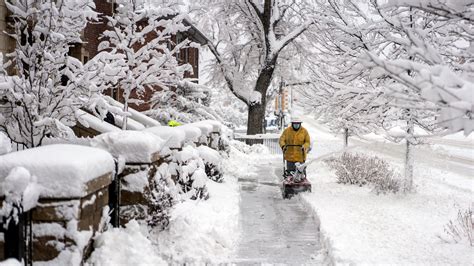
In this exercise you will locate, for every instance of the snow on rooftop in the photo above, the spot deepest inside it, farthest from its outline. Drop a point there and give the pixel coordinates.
(133, 146)
(63, 170)
(91, 121)
(135, 115)
(173, 136)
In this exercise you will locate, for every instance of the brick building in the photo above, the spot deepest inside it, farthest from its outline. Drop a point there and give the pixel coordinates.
(93, 31)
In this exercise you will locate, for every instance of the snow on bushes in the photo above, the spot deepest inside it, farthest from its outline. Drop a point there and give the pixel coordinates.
(212, 161)
(358, 169)
(21, 192)
(190, 173)
(461, 229)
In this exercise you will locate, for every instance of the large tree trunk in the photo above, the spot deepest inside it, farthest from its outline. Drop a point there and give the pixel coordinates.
(256, 114)
(256, 119)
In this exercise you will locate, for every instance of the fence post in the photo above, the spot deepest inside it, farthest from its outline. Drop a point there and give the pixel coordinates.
(14, 234)
(114, 198)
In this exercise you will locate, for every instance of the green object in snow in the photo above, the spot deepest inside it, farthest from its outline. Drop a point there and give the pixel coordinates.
(174, 123)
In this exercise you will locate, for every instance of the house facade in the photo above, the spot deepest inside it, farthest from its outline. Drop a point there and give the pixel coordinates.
(94, 31)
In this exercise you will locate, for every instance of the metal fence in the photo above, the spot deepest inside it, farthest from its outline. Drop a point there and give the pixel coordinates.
(268, 140)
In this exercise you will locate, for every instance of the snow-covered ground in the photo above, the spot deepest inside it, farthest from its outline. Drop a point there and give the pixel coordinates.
(203, 231)
(358, 226)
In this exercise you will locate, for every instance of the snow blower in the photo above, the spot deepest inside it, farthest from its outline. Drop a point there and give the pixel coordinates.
(294, 180)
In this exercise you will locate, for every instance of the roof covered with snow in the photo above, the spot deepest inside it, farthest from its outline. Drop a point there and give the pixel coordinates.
(63, 170)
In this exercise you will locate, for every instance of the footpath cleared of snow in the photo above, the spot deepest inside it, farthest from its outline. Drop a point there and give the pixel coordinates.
(274, 230)
(360, 227)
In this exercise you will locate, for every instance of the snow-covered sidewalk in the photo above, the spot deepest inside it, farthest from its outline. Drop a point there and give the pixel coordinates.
(358, 226)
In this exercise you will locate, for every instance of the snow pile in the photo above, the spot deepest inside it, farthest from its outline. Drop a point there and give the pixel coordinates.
(173, 136)
(21, 190)
(11, 262)
(63, 170)
(125, 246)
(209, 155)
(203, 231)
(360, 227)
(133, 146)
(5, 144)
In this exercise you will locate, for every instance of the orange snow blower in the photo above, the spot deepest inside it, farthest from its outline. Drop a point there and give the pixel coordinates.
(294, 180)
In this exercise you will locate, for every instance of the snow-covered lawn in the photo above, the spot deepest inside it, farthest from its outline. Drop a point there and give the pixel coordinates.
(361, 227)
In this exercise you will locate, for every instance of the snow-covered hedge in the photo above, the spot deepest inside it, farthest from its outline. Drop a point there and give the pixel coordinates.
(358, 169)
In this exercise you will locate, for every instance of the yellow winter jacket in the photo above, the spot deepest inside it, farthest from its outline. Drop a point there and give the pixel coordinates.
(295, 137)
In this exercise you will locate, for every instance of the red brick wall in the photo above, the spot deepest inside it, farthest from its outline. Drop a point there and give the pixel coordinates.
(93, 32)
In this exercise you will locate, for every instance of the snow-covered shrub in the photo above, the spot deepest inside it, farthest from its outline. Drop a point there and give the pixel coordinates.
(191, 174)
(359, 169)
(212, 162)
(21, 192)
(160, 201)
(461, 229)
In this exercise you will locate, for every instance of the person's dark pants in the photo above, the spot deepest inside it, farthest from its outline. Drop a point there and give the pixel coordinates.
(291, 166)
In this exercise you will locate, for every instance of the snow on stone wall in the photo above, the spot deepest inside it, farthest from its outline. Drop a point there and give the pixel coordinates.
(63, 170)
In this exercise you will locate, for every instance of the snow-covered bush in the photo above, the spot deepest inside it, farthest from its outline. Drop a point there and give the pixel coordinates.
(359, 169)
(190, 172)
(212, 162)
(461, 229)
(21, 192)
(160, 200)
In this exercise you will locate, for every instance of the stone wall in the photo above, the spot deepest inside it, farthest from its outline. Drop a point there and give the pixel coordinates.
(69, 223)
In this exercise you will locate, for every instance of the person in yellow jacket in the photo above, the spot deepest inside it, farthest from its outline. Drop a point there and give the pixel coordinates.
(295, 134)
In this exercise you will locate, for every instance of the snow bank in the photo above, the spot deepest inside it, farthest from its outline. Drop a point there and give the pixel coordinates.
(203, 231)
(88, 120)
(133, 146)
(173, 136)
(5, 144)
(359, 227)
(63, 170)
(124, 246)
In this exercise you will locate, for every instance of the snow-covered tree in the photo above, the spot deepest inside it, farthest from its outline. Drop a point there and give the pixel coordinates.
(141, 45)
(436, 38)
(48, 85)
(248, 38)
(352, 36)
